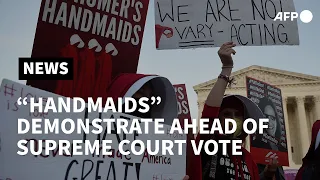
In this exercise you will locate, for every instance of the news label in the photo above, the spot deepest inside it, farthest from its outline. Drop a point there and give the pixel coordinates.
(45, 68)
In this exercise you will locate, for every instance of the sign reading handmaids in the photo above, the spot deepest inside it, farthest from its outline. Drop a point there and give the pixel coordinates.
(55, 166)
(181, 24)
(103, 37)
(183, 104)
(273, 142)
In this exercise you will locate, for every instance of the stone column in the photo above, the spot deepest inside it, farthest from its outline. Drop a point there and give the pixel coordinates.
(201, 105)
(286, 121)
(316, 100)
(200, 109)
(303, 126)
(247, 143)
(198, 103)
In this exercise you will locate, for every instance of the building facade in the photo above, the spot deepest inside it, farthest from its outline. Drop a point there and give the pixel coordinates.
(301, 103)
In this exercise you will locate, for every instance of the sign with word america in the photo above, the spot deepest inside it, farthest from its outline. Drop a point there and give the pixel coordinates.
(103, 37)
(183, 24)
(55, 166)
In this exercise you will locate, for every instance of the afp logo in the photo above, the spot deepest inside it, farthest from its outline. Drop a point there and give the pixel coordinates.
(305, 16)
(45, 69)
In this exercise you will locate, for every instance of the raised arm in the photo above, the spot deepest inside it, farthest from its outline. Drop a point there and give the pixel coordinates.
(216, 94)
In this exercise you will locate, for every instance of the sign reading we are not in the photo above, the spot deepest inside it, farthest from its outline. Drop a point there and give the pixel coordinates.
(206, 23)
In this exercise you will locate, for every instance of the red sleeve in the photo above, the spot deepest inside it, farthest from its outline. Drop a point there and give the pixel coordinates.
(252, 166)
(255, 171)
(299, 174)
(194, 169)
(210, 113)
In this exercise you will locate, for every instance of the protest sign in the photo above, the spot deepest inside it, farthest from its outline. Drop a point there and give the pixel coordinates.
(183, 24)
(54, 166)
(103, 37)
(273, 142)
(183, 104)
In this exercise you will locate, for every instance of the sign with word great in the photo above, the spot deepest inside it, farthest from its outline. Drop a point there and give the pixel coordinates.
(54, 166)
(183, 24)
(273, 142)
(103, 37)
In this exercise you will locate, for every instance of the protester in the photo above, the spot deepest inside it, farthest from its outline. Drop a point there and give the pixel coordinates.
(310, 169)
(238, 108)
(217, 106)
(233, 106)
(220, 167)
(140, 85)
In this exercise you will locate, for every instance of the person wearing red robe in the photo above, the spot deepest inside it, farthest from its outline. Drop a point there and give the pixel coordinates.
(103, 75)
(199, 167)
(66, 87)
(219, 166)
(310, 169)
(85, 82)
(142, 85)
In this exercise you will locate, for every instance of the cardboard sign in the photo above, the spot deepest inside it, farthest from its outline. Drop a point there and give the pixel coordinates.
(181, 24)
(104, 38)
(183, 104)
(273, 142)
(53, 166)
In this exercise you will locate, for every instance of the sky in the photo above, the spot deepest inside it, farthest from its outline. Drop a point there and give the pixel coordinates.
(18, 19)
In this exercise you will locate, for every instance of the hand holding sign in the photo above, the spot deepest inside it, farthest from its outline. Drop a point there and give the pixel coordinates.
(271, 168)
(225, 52)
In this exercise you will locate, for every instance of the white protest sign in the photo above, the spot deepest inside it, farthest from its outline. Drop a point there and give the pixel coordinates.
(181, 24)
(66, 167)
